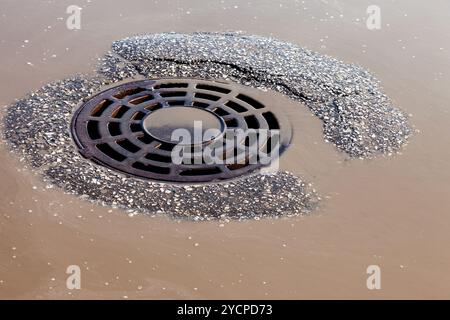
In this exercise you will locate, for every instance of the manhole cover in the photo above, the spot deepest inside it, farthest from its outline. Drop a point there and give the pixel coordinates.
(131, 128)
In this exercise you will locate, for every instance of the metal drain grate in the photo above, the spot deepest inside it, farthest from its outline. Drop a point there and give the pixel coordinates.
(128, 128)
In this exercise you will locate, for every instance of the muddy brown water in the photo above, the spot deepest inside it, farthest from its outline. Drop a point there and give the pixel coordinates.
(393, 212)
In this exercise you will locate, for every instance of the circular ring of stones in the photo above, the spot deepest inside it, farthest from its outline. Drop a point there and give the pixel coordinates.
(358, 118)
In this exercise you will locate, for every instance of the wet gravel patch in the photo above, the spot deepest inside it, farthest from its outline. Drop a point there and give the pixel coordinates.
(357, 117)
(38, 128)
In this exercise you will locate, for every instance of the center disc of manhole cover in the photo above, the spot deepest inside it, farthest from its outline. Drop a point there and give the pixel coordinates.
(199, 124)
(129, 128)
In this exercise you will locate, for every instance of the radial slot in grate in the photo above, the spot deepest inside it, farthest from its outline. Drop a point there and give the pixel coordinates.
(127, 128)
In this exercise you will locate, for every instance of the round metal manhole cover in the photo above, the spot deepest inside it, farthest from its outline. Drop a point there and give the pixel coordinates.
(180, 130)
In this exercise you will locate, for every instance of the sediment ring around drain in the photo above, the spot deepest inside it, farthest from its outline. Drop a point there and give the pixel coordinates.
(115, 128)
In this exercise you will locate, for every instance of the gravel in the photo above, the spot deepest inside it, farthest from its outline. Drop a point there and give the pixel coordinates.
(357, 117)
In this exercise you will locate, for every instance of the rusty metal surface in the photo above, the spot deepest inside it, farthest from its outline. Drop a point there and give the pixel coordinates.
(108, 128)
